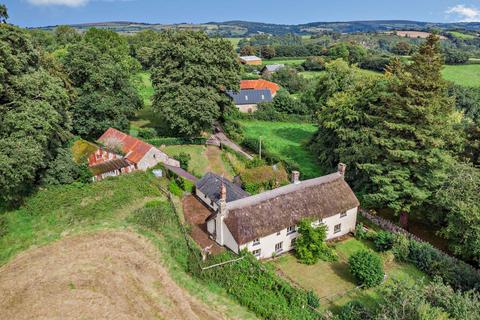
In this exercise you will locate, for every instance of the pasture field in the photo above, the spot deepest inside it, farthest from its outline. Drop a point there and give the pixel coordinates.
(461, 35)
(467, 75)
(293, 61)
(287, 140)
(234, 41)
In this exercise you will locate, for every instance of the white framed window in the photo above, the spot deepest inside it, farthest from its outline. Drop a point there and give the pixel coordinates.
(343, 214)
(292, 243)
(257, 252)
(279, 247)
(256, 242)
(291, 229)
(278, 233)
(337, 228)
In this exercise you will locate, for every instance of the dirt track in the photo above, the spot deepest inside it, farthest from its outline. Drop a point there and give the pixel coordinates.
(106, 275)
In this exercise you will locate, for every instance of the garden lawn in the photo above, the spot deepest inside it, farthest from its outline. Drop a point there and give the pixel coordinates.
(467, 75)
(331, 279)
(287, 140)
(203, 159)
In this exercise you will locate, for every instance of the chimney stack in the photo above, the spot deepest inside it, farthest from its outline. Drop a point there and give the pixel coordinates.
(223, 193)
(342, 167)
(295, 177)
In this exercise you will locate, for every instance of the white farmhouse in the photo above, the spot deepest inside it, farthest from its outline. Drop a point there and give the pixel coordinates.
(265, 224)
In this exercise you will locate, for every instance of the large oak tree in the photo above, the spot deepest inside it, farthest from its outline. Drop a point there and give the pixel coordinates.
(190, 74)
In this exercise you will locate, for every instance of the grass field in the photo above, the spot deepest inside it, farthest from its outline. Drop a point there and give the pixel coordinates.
(60, 211)
(234, 41)
(466, 75)
(315, 74)
(461, 35)
(294, 61)
(286, 140)
(330, 279)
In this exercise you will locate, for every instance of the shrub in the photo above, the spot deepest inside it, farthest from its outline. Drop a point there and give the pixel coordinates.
(400, 247)
(360, 232)
(310, 246)
(433, 262)
(146, 133)
(175, 189)
(3, 225)
(184, 159)
(257, 287)
(354, 310)
(384, 241)
(313, 300)
(367, 268)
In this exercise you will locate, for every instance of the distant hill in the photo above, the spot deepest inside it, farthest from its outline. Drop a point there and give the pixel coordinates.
(246, 28)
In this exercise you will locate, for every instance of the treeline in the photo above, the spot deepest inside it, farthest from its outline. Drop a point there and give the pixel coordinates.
(376, 46)
(409, 146)
(56, 87)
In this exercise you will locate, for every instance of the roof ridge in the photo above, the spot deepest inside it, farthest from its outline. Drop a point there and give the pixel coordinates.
(264, 196)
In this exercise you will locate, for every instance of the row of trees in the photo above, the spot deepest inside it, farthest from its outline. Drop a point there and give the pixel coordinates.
(53, 90)
(404, 141)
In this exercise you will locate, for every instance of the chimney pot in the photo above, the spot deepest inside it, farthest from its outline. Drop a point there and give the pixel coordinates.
(223, 193)
(295, 177)
(342, 167)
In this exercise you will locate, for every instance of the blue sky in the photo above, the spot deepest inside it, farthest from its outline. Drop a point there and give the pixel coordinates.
(53, 12)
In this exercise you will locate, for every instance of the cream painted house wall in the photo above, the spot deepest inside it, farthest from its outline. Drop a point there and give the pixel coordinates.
(223, 236)
(347, 224)
(247, 108)
(267, 244)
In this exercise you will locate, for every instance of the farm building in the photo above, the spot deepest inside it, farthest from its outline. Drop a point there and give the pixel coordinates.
(271, 68)
(120, 153)
(259, 85)
(247, 100)
(209, 186)
(251, 60)
(266, 224)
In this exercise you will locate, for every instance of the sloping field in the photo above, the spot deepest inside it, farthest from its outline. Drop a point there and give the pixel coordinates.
(104, 275)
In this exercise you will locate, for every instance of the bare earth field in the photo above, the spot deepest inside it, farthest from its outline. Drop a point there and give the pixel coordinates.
(104, 275)
(415, 34)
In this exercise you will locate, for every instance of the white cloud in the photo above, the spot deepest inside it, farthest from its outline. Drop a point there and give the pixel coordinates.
(464, 14)
(68, 3)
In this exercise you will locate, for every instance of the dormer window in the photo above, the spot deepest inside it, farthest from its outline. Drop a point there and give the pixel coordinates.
(343, 214)
(256, 242)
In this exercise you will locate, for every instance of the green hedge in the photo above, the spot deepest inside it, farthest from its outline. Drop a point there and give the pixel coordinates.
(258, 288)
(436, 263)
(175, 141)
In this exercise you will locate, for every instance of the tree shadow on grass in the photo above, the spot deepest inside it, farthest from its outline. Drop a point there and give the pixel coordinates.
(296, 135)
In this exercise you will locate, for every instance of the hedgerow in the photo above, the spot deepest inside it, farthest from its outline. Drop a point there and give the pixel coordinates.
(257, 287)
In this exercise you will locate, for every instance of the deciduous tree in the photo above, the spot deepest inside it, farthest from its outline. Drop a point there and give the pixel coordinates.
(190, 75)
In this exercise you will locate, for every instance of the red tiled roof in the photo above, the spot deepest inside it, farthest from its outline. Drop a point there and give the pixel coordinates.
(258, 85)
(133, 148)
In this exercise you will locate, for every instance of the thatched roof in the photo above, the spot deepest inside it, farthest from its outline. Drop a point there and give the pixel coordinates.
(269, 212)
